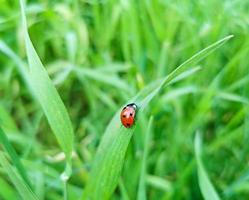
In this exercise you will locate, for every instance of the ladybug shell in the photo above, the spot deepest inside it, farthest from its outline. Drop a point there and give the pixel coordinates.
(127, 115)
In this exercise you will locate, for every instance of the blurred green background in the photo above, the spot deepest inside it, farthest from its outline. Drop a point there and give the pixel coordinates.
(99, 54)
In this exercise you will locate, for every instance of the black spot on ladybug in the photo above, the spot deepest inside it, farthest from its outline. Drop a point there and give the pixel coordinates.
(127, 124)
(130, 114)
(123, 116)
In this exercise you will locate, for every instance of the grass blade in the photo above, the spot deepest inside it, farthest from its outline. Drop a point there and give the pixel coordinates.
(20, 65)
(196, 58)
(206, 187)
(101, 76)
(123, 191)
(21, 186)
(232, 97)
(14, 157)
(109, 159)
(4, 48)
(48, 97)
(142, 182)
(159, 183)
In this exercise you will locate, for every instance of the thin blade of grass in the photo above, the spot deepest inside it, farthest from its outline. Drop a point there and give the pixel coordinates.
(13, 155)
(159, 183)
(141, 195)
(23, 189)
(153, 91)
(48, 97)
(238, 84)
(4, 48)
(123, 191)
(196, 58)
(177, 93)
(206, 187)
(108, 162)
(191, 61)
(20, 65)
(103, 77)
(233, 97)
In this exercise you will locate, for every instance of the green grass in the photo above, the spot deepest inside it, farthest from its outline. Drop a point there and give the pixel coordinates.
(69, 69)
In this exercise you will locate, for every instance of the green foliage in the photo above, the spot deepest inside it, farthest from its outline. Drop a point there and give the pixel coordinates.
(206, 186)
(48, 96)
(85, 61)
(23, 189)
(11, 151)
(141, 194)
(111, 151)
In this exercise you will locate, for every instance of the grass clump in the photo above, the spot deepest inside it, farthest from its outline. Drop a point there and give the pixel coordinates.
(89, 58)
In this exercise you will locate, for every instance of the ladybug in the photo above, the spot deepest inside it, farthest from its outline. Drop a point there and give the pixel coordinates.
(127, 115)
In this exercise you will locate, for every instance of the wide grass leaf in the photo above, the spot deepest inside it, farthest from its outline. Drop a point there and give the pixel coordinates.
(206, 187)
(23, 189)
(108, 162)
(48, 96)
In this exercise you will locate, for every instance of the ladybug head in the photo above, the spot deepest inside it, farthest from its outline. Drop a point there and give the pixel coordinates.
(131, 105)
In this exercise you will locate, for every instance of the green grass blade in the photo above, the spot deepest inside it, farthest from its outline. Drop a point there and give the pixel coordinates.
(101, 76)
(177, 73)
(123, 191)
(159, 183)
(109, 159)
(141, 195)
(206, 187)
(20, 65)
(48, 96)
(4, 48)
(23, 189)
(155, 87)
(196, 58)
(177, 93)
(14, 157)
(232, 97)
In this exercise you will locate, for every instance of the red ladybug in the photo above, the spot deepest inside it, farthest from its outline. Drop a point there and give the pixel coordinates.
(127, 115)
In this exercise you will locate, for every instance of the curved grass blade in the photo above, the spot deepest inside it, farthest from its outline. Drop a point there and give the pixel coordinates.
(103, 77)
(14, 157)
(233, 97)
(179, 92)
(48, 97)
(20, 65)
(108, 162)
(159, 183)
(206, 187)
(22, 188)
(197, 57)
(4, 48)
